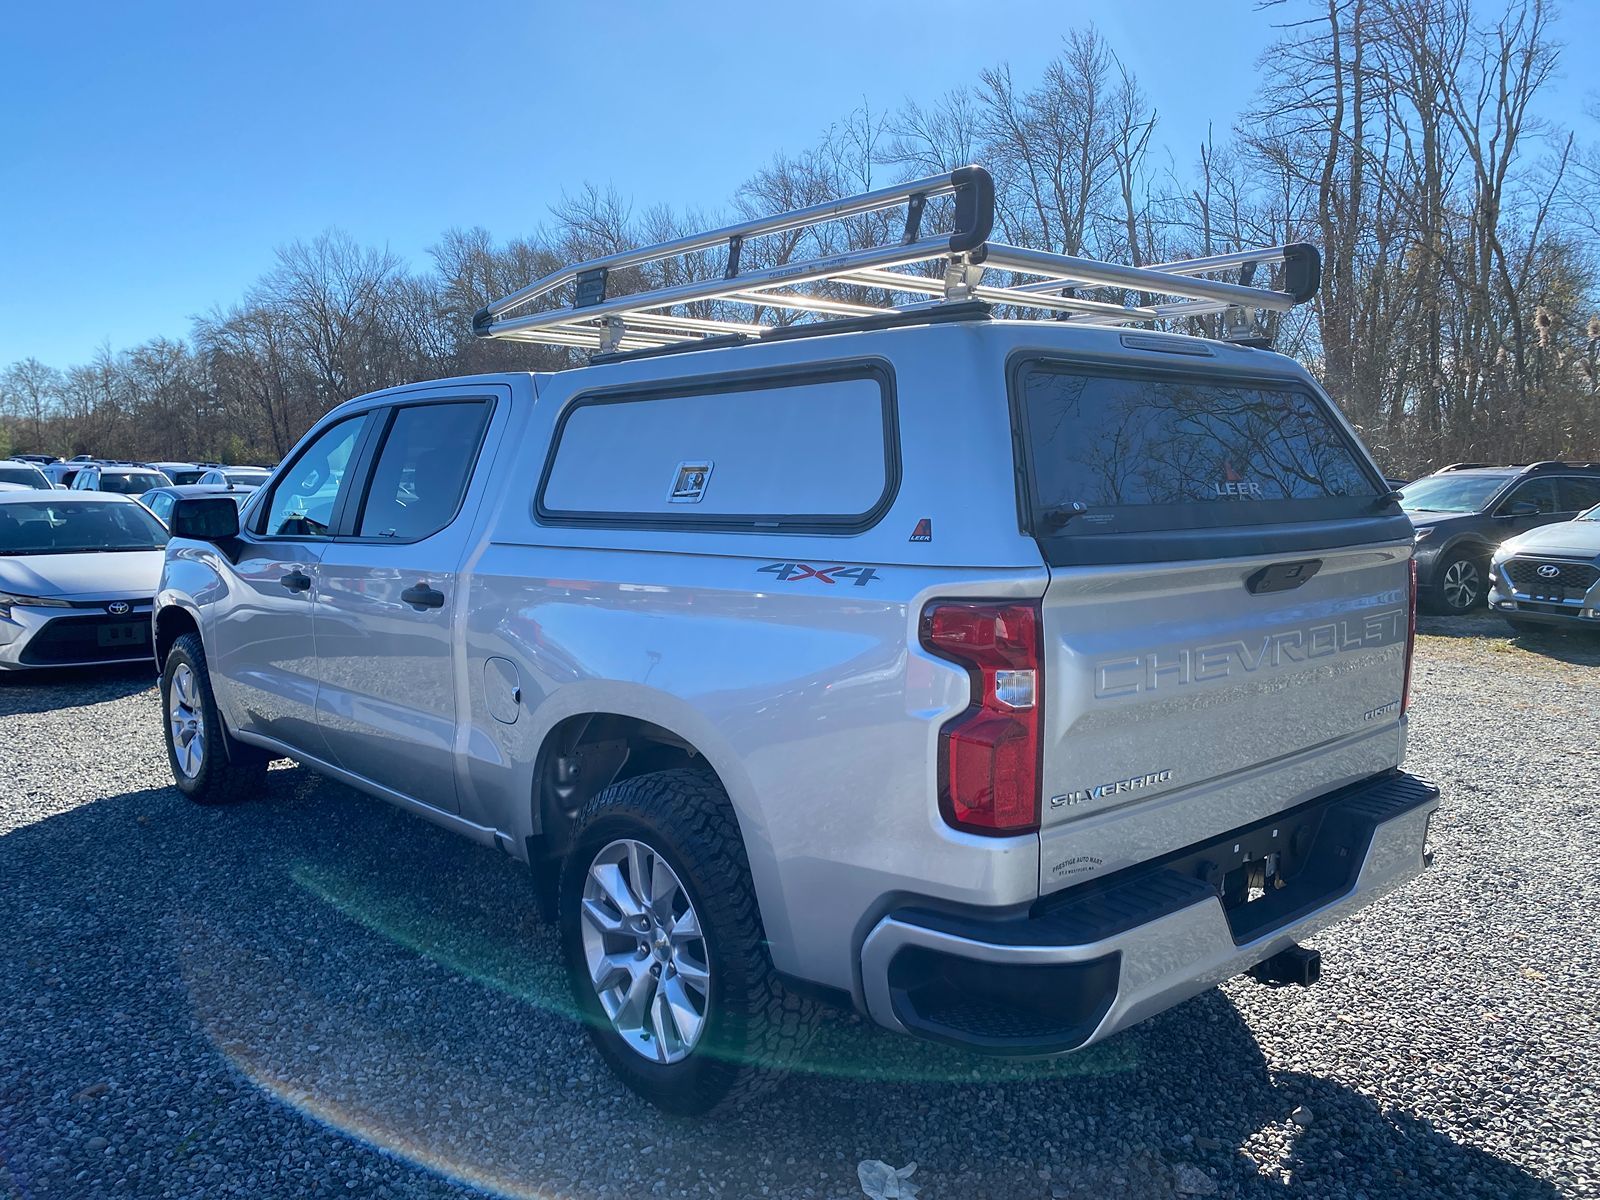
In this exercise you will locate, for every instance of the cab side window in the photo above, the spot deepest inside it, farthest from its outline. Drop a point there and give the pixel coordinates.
(162, 507)
(1538, 492)
(1579, 495)
(422, 470)
(305, 496)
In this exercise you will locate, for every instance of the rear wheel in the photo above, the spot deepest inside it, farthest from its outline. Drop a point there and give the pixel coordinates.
(665, 949)
(208, 766)
(1463, 584)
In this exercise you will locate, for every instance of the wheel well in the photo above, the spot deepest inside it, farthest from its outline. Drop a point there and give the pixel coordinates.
(171, 624)
(585, 754)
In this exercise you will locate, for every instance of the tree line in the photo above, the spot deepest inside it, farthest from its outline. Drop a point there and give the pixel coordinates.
(1458, 315)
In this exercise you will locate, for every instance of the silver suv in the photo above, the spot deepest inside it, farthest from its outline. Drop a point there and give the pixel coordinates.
(1006, 682)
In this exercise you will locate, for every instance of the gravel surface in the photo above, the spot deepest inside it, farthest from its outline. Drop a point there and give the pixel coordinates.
(313, 994)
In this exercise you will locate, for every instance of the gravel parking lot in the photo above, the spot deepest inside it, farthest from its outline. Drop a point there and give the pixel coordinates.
(313, 994)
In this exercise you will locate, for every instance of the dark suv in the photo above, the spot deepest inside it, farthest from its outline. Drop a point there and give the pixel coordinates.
(1465, 511)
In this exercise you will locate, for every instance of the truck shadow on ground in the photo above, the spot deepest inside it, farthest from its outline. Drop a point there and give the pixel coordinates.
(320, 965)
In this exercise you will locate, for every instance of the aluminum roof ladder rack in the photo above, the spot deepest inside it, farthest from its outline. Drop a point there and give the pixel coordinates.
(843, 278)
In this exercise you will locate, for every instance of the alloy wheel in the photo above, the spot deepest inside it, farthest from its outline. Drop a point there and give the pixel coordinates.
(645, 951)
(185, 721)
(1462, 584)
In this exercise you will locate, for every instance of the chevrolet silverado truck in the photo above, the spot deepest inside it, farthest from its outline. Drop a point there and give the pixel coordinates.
(1005, 681)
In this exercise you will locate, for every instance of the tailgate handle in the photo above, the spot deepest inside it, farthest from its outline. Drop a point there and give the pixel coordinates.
(1282, 577)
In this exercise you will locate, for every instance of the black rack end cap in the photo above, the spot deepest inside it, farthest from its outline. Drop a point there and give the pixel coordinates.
(481, 320)
(1302, 271)
(974, 208)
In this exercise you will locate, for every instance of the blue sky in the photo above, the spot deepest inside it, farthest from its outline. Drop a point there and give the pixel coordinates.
(153, 155)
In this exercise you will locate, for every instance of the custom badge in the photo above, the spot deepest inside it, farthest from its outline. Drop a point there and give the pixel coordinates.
(689, 482)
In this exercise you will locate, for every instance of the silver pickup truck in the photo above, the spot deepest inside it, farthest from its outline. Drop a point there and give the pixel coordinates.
(1006, 681)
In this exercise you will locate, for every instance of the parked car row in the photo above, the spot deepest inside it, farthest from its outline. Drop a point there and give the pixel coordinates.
(1523, 539)
(86, 473)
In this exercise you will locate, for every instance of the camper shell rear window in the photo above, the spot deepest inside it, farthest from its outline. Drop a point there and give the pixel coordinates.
(1108, 452)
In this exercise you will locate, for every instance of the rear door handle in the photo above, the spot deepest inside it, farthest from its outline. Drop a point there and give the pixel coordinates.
(295, 581)
(421, 596)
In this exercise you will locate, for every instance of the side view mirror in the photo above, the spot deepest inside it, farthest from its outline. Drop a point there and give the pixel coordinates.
(1520, 508)
(205, 518)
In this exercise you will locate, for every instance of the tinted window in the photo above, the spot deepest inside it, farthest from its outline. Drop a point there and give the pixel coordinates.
(796, 450)
(1541, 493)
(130, 483)
(422, 470)
(74, 526)
(1451, 492)
(1579, 494)
(181, 475)
(161, 505)
(303, 499)
(243, 478)
(27, 476)
(1166, 452)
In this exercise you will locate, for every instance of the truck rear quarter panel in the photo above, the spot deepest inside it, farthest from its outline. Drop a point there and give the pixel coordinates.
(801, 684)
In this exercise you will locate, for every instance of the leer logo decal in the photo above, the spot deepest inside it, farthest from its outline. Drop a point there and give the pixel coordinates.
(1235, 484)
(795, 572)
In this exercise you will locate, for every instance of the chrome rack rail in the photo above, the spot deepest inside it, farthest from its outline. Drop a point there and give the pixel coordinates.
(742, 303)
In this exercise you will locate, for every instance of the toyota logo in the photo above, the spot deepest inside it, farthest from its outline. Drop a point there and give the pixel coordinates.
(1549, 571)
(118, 608)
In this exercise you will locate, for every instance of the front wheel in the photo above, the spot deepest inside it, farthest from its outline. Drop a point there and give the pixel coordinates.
(208, 766)
(665, 949)
(1462, 585)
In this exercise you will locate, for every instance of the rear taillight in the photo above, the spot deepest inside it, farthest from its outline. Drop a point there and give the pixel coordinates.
(1411, 642)
(989, 754)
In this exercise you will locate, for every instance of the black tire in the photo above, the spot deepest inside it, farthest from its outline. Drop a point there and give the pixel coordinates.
(1461, 583)
(753, 1025)
(226, 771)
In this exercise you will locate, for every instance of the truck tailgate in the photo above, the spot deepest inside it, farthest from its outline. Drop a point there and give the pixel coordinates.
(1185, 699)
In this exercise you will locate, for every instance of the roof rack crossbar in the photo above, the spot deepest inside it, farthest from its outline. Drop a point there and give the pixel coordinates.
(934, 271)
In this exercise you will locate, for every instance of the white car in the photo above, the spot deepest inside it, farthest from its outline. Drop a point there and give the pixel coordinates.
(77, 574)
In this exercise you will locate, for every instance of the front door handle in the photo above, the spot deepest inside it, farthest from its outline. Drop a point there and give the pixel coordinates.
(421, 596)
(296, 581)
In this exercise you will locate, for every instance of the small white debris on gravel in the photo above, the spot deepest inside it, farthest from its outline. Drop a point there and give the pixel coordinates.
(880, 1181)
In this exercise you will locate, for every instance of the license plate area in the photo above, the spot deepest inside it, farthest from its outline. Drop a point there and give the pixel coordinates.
(122, 634)
(1270, 874)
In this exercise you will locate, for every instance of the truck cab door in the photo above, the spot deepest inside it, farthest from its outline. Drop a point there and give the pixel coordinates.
(260, 643)
(389, 600)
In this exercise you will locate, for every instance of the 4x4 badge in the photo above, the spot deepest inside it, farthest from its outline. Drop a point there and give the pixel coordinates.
(795, 572)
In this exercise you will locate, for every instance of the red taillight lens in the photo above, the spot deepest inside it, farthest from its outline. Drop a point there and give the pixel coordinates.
(1411, 642)
(989, 754)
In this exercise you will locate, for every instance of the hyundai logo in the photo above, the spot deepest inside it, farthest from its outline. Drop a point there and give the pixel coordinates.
(118, 608)
(1549, 571)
